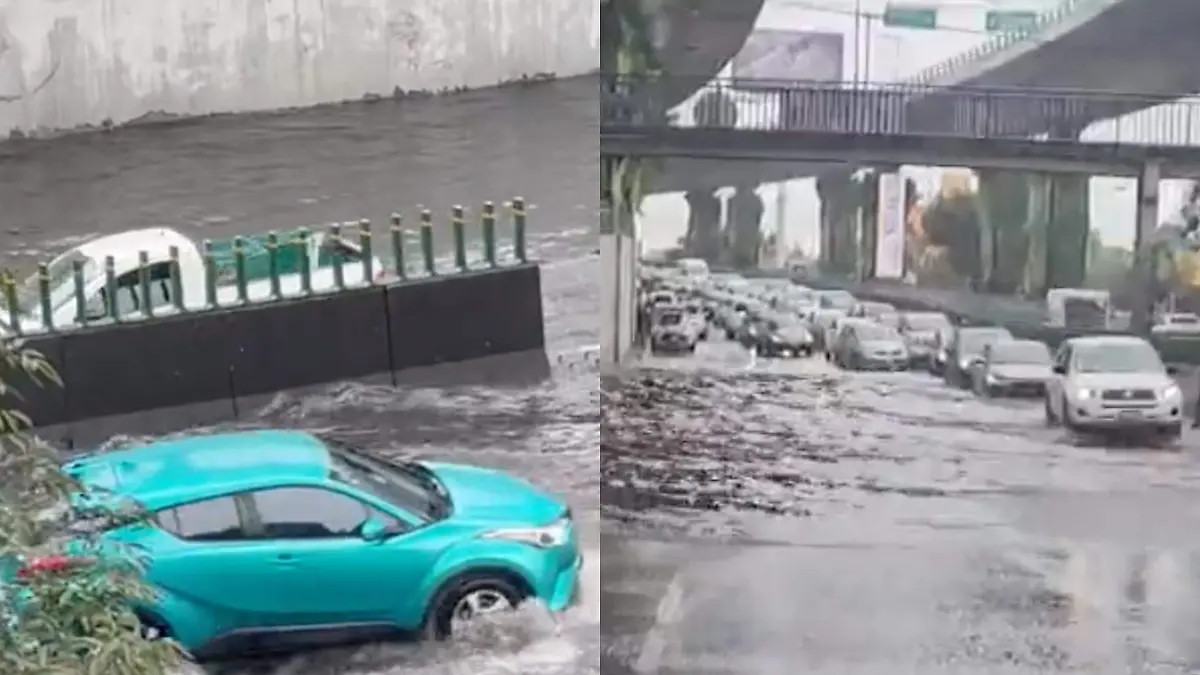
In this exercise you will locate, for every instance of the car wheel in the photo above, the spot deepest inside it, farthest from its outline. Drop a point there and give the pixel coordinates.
(151, 627)
(1066, 417)
(468, 598)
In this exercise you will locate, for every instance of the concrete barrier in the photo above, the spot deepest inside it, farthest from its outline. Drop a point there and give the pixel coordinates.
(223, 360)
(86, 62)
(146, 370)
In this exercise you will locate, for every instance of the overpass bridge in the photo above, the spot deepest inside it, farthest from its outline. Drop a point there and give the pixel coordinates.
(885, 128)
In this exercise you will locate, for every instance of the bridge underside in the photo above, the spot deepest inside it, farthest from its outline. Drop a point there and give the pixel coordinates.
(701, 37)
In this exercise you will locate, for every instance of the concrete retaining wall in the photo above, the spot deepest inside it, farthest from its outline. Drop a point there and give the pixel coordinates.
(65, 63)
(618, 298)
(168, 373)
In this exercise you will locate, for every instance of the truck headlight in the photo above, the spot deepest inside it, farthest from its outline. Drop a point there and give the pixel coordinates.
(548, 536)
(1170, 391)
(1086, 394)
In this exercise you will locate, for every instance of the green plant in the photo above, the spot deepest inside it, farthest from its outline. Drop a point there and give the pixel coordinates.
(66, 599)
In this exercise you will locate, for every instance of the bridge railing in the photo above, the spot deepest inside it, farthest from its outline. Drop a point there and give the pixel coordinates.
(1002, 41)
(904, 109)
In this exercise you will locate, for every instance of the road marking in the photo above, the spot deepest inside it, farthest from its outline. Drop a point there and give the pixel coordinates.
(666, 617)
(753, 363)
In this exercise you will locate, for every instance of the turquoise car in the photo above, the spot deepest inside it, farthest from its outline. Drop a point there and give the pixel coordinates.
(269, 541)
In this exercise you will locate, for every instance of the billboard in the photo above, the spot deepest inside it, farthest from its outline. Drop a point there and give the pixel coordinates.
(796, 55)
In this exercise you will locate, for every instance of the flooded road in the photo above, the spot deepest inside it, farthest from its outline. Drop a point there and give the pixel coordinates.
(222, 177)
(779, 517)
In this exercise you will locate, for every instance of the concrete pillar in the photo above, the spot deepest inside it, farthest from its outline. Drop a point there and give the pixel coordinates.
(1147, 223)
(1067, 237)
(610, 291)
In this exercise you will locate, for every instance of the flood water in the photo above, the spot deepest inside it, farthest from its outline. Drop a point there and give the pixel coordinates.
(221, 177)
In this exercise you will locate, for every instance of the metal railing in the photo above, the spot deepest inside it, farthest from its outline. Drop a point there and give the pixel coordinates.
(909, 109)
(1002, 41)
(74, 292)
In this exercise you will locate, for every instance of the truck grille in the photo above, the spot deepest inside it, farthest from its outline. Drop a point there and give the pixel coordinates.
(1127, 395)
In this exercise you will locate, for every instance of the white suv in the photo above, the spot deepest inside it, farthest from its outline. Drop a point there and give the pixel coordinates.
(1113, 383)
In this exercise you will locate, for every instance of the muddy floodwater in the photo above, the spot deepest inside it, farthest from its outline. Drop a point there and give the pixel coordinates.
(222, 177)
(780, 517)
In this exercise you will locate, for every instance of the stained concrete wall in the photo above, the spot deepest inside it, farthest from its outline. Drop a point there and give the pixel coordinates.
(618, 299)
(65, 63)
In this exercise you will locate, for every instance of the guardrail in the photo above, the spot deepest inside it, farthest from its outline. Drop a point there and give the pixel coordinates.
(629, 103)
(248, 270)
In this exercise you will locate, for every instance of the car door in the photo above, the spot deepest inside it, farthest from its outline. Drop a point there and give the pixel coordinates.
(320, 564)
(203, 555)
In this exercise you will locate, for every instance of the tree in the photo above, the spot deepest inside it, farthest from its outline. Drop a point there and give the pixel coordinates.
(72, 609)
(952, 221)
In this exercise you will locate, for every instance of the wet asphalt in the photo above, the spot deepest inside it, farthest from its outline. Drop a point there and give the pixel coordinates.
(799, 519)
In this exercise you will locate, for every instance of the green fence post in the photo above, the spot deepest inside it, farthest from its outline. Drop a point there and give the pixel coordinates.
(458, 219)
(210, 275)
(144, 283)
(176, 280)
(368, 254)
(518, 212)
(398, 246)
(110, 289)
(239, 270)
(44, 296)
(302, 239)
(273, 264)
(489, 233)
(81, 316)
(14, 309)
(339, 275)
(427, 242)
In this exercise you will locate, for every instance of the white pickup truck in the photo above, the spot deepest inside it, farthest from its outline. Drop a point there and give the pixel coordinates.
(188, 266)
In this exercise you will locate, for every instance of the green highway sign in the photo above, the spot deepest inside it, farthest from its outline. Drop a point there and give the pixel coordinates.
(1011, 22)
(911, 16)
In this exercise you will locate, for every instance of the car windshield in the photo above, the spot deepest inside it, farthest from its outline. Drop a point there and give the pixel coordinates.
(670, 318)
(409, 486)
(1124, 357)
(1034, 353)
(925, 322)
(874, 333)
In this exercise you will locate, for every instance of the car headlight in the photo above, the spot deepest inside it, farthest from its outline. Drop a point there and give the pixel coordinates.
(964, 364)
(548, 536)
(1169, 391)
(1086, 394)
(991, 379)
(941, 355)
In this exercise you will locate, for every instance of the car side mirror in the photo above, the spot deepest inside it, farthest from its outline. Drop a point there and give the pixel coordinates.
(1060, 370)
(373, 529)
(1172, 370)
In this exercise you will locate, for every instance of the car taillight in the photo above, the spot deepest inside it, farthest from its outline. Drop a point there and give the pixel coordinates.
(50, 564)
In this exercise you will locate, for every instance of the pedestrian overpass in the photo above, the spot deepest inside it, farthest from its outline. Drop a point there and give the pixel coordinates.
(1144, 46)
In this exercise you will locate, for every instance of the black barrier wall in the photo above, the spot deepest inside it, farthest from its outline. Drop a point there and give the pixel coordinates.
(229, 354)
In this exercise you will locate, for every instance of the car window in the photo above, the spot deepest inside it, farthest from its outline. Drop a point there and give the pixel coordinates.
(1123, 357)
(1033, 353)
(309, 513)
(209, 520)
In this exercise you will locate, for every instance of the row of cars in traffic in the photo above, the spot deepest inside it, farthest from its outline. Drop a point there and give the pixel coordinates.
(1098, 383)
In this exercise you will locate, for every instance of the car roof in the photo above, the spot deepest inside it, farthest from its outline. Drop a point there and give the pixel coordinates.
(1089, 340)
(169, 472)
